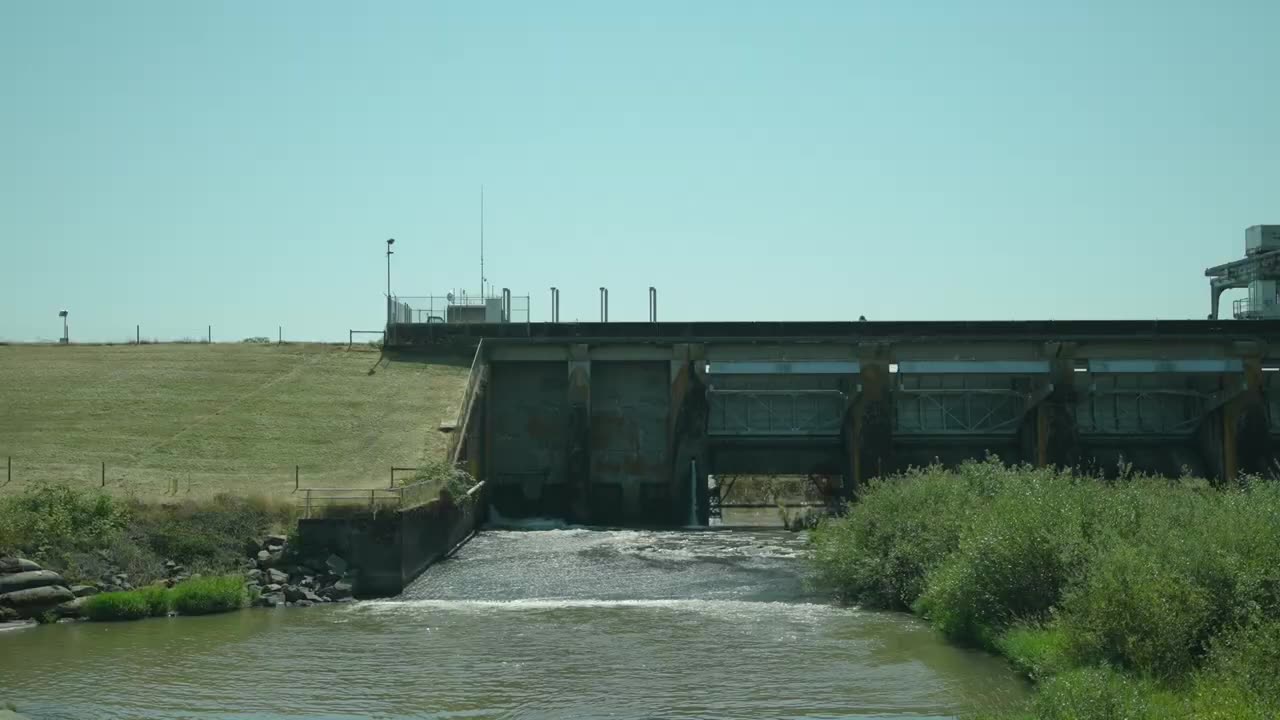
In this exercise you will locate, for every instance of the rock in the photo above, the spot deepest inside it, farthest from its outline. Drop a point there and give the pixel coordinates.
(272, 559)
(253, 588)
(169, 564)
(111, 587)
(276, 599)
(304, 603)
(33, 601)
(311, 596)
(71, 608)
(8, 614)
(339, 591)
(277, 576)
(254, 575)
(308, 581)
(263, 556)
(275, 588)
(293, 593)
(274, 541)
(126, 585)
(29, 579)
(177, 570)
(121, 578)
(83, 590)
(16, 565)
(336, 565)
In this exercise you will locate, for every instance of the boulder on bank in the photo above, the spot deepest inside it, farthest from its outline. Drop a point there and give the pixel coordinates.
(83, 590)
(338, 591)
(33, 601)
(16, 565)
(336, 565)
(72, 608)
(277, 577)
(12, 582)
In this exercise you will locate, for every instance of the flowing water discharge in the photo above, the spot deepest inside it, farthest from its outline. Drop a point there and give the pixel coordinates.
(528, 624)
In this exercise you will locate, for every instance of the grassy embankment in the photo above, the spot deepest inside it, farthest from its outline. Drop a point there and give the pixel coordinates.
(223, 418)
(1140, 598)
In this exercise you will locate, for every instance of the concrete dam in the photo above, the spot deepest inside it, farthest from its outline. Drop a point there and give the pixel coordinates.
(621, 424)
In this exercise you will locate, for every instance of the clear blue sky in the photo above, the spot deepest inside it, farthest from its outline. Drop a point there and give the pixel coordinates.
(177, 164)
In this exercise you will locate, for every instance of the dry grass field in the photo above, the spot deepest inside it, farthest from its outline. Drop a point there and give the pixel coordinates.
(218, 418)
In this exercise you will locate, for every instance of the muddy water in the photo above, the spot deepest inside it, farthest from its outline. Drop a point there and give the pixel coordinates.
(545, 624)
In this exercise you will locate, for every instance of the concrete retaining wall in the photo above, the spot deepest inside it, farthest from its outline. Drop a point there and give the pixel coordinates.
(389, 550)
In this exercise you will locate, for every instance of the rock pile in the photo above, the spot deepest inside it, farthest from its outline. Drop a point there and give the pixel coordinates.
(281, 578)
(28, 591)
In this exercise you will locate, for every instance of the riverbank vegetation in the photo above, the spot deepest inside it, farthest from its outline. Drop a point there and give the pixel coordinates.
(197, 596)
(88, 535)
(1134, 598)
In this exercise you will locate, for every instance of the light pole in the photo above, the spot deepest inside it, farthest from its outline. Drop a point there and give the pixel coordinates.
(66, 338)
(390, 242)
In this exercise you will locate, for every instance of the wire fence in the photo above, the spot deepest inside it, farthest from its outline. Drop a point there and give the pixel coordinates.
(18, 474)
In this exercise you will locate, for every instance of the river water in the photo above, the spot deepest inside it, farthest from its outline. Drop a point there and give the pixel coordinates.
(527, 624)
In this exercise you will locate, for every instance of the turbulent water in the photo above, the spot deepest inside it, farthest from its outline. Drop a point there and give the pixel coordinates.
(527, 624)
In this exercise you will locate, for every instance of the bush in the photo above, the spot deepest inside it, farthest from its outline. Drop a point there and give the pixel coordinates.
(1038, 651)
(1102, 694)
(449, 478)
(901, 528)
(1140, 597)
(49, 520)
(1013, 562)
(202, 596)
(130, 605)
(158, 598)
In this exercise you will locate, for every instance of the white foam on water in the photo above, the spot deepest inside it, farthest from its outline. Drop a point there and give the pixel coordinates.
(713, 607)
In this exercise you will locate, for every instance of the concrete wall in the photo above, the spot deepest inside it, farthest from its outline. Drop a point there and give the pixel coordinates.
(527, 417)
(389, 550)
(629, 480)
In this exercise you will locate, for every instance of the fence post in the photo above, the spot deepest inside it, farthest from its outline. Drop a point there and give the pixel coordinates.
(137, 334)
(104, 473)
(210, 340)
(295, 481)
(371, 501)
(9, 475)
(392, 484)
(350, 334)
(279, 334)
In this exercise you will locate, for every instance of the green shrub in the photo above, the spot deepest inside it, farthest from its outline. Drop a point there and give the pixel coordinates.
(1135, 598)
(899, 530)
(1038, 651)
(1014, 559)
(129, 605)
(158, 598)
(1102, 694)
(202, 596)
(1140, 613)
(56, 518)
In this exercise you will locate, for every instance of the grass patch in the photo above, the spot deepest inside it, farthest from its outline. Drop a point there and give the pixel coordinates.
(206, 595)
(227, 417)
(129, 605)
(1138, 598)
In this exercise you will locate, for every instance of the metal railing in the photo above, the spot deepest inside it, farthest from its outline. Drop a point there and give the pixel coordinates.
(1249, 309)
(314, 500)
(460, 426)
(461, 308)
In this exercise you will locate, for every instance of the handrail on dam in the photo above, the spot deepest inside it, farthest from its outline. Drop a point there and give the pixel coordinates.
(461, 425)
(406, 496)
